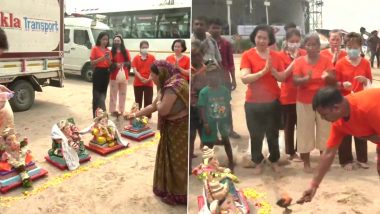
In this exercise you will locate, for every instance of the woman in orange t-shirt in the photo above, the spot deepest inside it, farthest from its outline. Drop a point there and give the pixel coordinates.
(121, 61)
(101, 61)
(262, 106)
(182, 62)
(143, 84)
(311, 73)
(289, 90)
(353, 73)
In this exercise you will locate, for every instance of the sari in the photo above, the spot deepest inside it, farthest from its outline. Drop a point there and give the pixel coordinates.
(171, 167)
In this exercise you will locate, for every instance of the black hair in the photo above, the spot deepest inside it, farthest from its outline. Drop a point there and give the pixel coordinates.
(290, 26)
(122, 49)
(212, 68)
(3, 40)
(265, 28)
(215, 21)
(292, 32)
(202, 19)
(101, 35)
(144, 42)
(353, 36)
(154, 69)
(197, 45)
(327, 97)
(183, 44)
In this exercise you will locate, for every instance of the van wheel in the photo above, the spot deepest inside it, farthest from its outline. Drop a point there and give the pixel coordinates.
(24, 95)
(87, 73)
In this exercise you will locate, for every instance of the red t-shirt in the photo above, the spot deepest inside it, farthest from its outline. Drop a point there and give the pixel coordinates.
(306, 92)
(184, 63)
(265, 89)
(119, 58)
(97, 53)
(364, 117)
(345, 71)
(288, 89)
(326, 52)
(143, 67)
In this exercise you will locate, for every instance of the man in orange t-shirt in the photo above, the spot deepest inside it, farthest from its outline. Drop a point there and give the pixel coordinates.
(334, 53)
(356, 114)
(353, 74)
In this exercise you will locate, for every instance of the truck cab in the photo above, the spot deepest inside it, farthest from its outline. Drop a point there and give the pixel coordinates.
(80, 36)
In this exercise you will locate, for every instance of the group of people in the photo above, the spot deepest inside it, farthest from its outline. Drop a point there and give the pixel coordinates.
(212, 81)
(318, 97)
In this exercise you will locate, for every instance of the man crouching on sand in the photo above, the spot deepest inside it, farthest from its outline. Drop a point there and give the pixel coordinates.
(356, 114)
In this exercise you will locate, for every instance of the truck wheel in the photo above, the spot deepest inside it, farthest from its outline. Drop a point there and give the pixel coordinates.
(24, 95)
(87, 73)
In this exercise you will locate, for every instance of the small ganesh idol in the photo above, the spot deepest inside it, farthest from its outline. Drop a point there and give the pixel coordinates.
(221, 201)
(67, 147)
(103, 132)
(209, 169)
(15, 156)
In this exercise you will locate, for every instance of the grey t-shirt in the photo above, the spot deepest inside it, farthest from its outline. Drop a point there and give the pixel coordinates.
(211, 49)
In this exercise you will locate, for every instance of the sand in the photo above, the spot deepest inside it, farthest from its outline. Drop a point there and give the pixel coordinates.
(341, 192)
(121, 185)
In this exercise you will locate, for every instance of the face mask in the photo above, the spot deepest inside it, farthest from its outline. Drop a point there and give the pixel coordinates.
(293, 46)
(144, 51)
(353, 53)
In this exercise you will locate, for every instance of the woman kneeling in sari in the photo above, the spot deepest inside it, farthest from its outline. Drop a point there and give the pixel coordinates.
(172, 104)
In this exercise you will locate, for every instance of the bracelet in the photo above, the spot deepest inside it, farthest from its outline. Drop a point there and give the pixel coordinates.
(314, 184)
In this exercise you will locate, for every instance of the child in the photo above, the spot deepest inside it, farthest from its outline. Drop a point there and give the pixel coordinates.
(213, 104)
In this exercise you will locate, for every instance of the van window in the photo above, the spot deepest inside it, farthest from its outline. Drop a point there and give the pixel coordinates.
(67, 36)
(81, 37)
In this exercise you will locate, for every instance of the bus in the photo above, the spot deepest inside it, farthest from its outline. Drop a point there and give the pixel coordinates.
(159, 24)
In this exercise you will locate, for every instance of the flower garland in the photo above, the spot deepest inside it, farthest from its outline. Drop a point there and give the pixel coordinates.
(259, 200)
(55, 181)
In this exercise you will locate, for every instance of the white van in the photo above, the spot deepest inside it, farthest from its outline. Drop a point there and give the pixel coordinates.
(79, 37)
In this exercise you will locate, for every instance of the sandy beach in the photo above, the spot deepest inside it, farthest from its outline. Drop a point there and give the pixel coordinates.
(118, 183)
(341, 192)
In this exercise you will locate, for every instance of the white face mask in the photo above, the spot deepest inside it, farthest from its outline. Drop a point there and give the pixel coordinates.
(293, 46)
(144, 51)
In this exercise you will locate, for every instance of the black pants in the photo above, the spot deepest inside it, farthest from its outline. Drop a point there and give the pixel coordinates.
(145, 92)
(263, 119)
(100, 80)
(345, 150)
(289, 115)
(373, 55)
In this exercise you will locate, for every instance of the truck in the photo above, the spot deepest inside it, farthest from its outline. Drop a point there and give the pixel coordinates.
(35, 57)
(80, 36)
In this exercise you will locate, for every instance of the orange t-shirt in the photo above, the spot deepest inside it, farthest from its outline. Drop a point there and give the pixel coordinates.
(143, 67)
(96, 53)
(364, 118)
(184, 63)
(306, 92)
(288, 89)
(265, 89)
(119, 58)
(345, 71)
(326, 52)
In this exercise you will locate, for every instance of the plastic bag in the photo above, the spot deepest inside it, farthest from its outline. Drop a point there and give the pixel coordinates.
(120, 77)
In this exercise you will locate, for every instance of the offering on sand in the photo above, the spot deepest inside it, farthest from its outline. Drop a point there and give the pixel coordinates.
(16, 163)
(67, 150)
